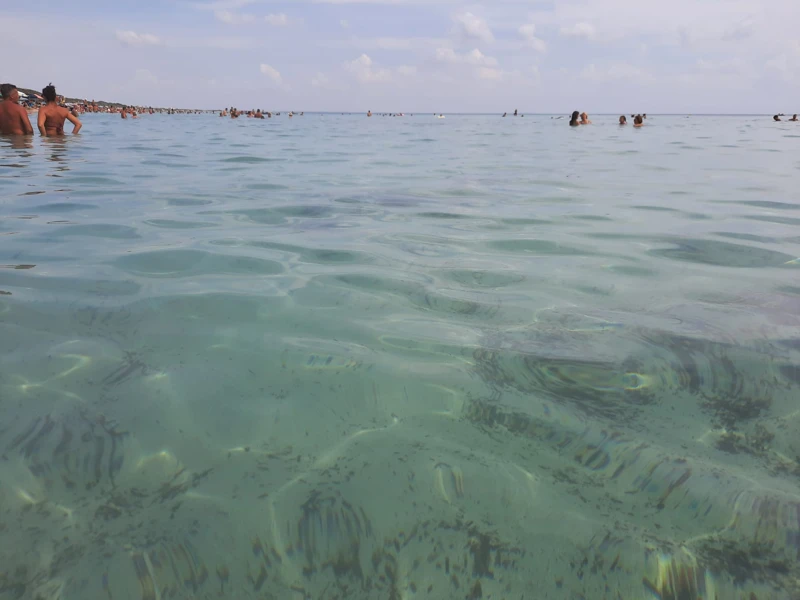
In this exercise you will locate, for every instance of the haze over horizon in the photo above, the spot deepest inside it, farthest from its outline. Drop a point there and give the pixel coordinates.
(414, 56)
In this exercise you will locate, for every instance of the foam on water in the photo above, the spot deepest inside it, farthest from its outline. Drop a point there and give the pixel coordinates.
(336, 357)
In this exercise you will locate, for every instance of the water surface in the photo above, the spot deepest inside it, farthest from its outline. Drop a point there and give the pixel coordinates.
(338, 357)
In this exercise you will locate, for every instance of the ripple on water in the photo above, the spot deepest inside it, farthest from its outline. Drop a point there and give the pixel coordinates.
(421, 297)
(309, 211)
(771, 204)
(748, 237)
(484, 279)
(251, 160)
(774, 219)
(65, 207)
(188, 202)
(100, 230)
(443, 215)
(535, 247)
(322, 256)
(95, 180)
(193, 263)
(173, 224)
(266, 186)
(633, 271)
(722, 254)
(262, 216)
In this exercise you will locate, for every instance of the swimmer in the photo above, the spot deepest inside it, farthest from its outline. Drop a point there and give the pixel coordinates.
(369, 113)
(574, 122)
(794, 118)
(505, 115)
(623, 120)
(638, 121)
(515, 112)
(13, 118)
(585, 119)
(776, 118)
(123, 113)
(52, 116)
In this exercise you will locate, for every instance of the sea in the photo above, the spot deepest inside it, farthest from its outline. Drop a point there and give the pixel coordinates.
(396, 358)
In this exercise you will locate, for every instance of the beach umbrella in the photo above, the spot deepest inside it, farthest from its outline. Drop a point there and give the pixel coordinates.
(22, 94)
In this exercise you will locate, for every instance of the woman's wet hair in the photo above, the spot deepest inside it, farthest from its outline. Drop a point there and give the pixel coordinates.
(575, 115)
(49, 93)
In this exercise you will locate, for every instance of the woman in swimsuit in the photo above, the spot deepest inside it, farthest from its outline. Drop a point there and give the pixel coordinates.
(52, 116)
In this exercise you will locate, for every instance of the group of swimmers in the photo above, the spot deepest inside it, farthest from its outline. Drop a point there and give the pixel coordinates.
(50, 121)
(778, 118)
(235, 113)
(583, 119)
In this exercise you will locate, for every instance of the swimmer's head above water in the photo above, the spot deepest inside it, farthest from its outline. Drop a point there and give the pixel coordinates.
(49, 93)
(8, 90)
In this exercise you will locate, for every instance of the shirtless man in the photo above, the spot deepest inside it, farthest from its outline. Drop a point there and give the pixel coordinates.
(13, 118)
(52, 116)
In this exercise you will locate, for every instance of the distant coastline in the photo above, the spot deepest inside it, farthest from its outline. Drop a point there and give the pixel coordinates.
(37, 97)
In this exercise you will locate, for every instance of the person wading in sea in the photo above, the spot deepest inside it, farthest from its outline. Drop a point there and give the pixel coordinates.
(13, 118)
(52, 116)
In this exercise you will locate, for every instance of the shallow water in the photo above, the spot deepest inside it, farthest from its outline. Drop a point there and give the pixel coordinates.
(338, 357)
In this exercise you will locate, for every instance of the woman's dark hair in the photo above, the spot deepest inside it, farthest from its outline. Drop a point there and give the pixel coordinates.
(49, 93)
(575, 117)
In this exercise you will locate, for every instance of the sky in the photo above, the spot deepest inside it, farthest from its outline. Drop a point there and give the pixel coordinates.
(599, 56)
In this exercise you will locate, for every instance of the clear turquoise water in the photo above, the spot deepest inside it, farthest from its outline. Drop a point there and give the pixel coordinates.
(338, 357)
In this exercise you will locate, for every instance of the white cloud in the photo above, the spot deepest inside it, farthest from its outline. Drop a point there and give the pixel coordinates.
(528, 33)
(473, 27)
(320, 80)
(489, 73)
(475, 57)
(785, 63)
(231, 18)
(366, 72)
(278, 20)
(407, 70)
(344, 24)
(580, 30)
(271, 72)
(223, 4)
(131, 38)
(741, 31)
(384, 43)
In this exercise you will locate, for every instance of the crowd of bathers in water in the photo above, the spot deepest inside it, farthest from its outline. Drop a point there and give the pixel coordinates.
(235, 113)
(579, 119)
(778, 117)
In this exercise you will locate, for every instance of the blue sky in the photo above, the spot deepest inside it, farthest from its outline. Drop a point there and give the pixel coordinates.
(726, 56)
